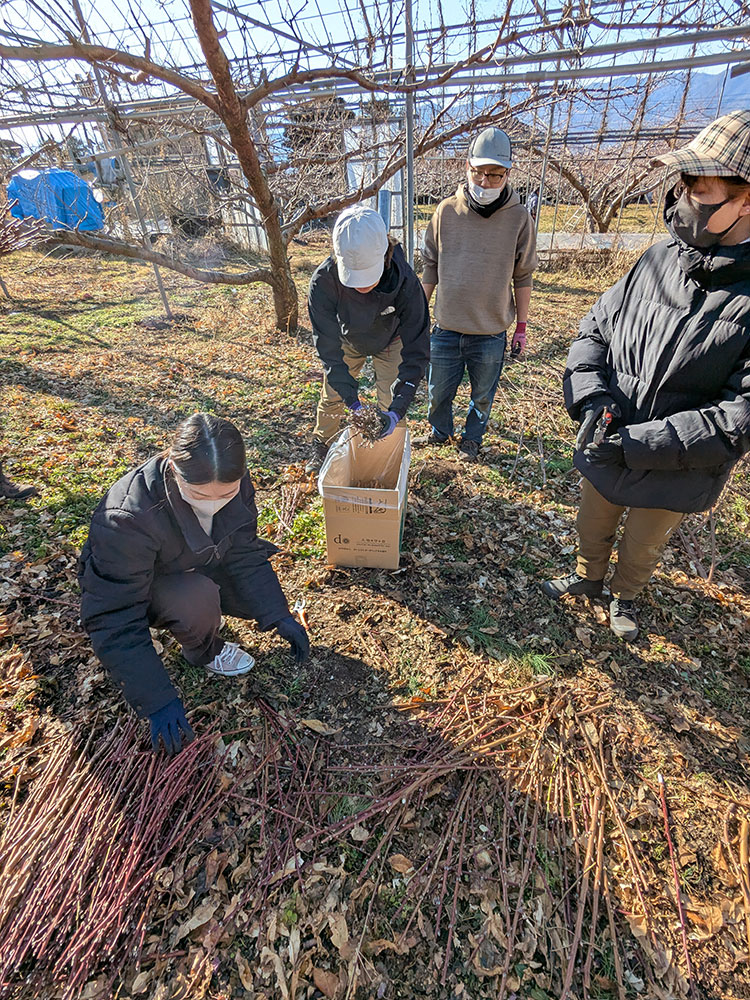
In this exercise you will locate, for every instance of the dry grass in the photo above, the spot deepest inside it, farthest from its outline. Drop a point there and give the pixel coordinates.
(458, 795)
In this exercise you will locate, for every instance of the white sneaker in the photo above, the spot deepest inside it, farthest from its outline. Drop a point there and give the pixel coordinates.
(231, 661)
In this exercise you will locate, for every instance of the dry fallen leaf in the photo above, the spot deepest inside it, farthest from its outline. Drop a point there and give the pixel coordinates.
(399, 863)
(584, 637)
(278, 968)
(340, 935)
(359, 833)
(326, 982)
(25, 736)
(245, 970)
(201, 916)
(141, 981)
(707, 919)
(591, 731)
(319, 727)
(401, 947)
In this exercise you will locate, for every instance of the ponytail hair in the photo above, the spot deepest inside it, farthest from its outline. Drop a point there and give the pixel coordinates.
(208, 449)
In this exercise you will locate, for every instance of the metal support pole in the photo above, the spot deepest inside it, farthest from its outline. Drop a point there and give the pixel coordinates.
(409, 221)
(543, 177)
(123, 159)
(721, 92)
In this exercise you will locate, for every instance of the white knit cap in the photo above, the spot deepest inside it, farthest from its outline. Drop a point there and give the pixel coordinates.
(360, 241)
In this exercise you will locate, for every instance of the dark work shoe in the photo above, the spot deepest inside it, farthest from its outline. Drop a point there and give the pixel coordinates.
(468, 451)
(431, 439)
(317, 456)
(623, 619)
(10, 491)
(573, 584)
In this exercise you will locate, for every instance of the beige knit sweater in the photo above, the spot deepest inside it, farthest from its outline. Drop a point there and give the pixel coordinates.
(476, 263)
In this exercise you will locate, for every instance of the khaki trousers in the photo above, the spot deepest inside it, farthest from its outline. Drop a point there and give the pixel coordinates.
(330, 413)
(645, 534)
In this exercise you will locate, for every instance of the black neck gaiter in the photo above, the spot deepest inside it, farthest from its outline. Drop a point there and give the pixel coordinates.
(487, 210)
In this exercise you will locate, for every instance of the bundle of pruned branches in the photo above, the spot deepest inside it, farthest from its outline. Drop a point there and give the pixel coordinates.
(79, 857)
(367, 422)
(291, 497)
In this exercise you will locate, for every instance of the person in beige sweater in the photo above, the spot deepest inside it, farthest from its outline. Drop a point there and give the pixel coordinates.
(480, 254)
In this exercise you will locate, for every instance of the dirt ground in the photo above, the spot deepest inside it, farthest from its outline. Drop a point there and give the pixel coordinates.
(459, 795)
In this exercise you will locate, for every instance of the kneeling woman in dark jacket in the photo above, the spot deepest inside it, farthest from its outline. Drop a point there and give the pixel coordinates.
(173, 544)
(659, 376)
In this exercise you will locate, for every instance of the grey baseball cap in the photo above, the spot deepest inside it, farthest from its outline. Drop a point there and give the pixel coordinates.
(491, 146)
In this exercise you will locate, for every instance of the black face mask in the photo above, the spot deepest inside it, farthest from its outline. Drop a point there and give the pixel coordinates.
(690, 218)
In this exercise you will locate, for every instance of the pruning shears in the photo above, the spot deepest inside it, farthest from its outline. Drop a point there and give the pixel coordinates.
(602, 426)
(299, 610)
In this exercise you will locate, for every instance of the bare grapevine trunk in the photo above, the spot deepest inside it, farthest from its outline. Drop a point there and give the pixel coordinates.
(234, 115)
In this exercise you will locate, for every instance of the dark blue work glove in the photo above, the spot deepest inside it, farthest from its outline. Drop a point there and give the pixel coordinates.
(388, 421)
(167, 723)
(356, 405)
(591, 414)
(608, 452)
(291, 630)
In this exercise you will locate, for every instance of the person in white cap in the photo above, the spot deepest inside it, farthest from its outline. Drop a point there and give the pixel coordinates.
(480, 255)
(365, 301)
(659, 376)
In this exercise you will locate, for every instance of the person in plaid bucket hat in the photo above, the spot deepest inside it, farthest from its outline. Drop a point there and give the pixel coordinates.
(722, 149)
(659, 376)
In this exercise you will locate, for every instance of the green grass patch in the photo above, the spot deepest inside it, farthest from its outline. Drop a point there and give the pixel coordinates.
(307, 537)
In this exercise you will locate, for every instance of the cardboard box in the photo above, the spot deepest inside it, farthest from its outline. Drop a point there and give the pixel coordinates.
(364, 524)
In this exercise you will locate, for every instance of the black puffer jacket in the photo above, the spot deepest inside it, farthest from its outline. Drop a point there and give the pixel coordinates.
(670, 343)
(143, 529)
(368, 323)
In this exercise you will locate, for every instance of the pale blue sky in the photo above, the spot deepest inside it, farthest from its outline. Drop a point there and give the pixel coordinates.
(316, 22)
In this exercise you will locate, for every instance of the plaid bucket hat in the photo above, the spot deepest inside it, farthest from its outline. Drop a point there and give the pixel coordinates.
(722, 149)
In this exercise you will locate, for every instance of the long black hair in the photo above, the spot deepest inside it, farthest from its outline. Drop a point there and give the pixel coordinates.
(208, 449)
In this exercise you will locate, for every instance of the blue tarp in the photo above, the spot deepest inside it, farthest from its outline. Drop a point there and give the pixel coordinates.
(60, 197)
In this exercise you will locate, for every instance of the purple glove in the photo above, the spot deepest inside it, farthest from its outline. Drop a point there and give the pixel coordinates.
(167, 723)
(518, 344)
(356, 405)
(388, 422)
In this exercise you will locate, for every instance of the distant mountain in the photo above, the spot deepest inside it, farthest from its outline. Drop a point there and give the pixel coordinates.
(612, 110)
(592, 110)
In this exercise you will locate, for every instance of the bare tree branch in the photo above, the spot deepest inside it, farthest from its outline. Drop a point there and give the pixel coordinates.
(296, 77)
(17, 234)
(103, 56)
(46, 147)
(395, 163)
(234, 114)
(105, 244)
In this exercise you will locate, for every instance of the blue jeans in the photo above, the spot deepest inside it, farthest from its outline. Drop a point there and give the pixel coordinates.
(451, 354)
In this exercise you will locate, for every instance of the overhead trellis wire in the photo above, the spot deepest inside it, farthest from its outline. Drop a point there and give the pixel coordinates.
(260, 47)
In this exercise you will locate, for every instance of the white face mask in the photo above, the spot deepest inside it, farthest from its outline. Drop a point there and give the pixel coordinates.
(483, 195)
(205, 507)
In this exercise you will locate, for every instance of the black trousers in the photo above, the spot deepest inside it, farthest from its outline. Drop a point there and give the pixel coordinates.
(189, 605)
